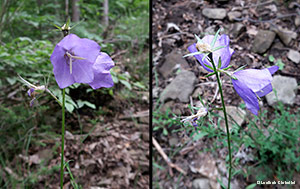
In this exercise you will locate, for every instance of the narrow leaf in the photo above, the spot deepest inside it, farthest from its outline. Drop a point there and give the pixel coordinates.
(215, 38)
(217, 48)
(227, 67)
(192, 54)
(220, 63)
(210, 74)
(198, 39)
(240, 68)
(206, 54)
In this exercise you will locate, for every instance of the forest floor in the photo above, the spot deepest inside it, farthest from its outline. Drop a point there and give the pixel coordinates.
(173, 29)
(108, 148)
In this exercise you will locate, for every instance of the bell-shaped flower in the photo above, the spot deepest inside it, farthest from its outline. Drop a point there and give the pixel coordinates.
(101, 67)
(218, 46)
(253, 83)
(75, 60)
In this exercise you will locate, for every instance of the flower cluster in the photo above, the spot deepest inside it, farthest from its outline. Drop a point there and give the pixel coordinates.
(77, 60)
(250, 84)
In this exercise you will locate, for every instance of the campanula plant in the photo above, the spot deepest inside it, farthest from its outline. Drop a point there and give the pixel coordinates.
(214, 54)
(75, 60)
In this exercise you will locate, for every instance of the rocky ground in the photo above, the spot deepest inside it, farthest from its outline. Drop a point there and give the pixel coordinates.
(262, 34)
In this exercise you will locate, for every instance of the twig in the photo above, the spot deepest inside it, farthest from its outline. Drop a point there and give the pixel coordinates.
(269, 21)
(118, 53)
(258, 4)
(167, 159)
(216, 94)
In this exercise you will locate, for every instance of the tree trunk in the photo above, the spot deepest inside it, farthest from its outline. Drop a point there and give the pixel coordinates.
(75, 11)
(67, 7)
(106, 21)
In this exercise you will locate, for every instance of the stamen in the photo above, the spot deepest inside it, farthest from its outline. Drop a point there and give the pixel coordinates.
(70, 65)
(71, 61)
(203, 47)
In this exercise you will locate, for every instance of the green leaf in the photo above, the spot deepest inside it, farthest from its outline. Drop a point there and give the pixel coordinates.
(208, 75)
(11, 80)
(126, 83)
(280, 64)
(215, 38)
(80, 103)
(218, 48)
(240, 68)
(165, 132)
(139, 85)
(199, 135)
(205, 55)
(227, 67)
(192, 54)
(220, 63)
(251, 186)
(198, 39)
(221, 183)
(93, 106)
(69, 107)
(271, 58)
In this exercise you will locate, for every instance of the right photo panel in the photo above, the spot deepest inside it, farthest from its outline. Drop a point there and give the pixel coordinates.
(225, 94)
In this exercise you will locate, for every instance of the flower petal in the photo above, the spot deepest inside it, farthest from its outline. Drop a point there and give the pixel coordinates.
(266, 90)
(60, 68)
(247, 95)
(87, 49)
(30, 91)
(82, 71)
(101, 71)
(254, 79)
(84, 48)
(192, 48)
(273, 69)
(225, 53)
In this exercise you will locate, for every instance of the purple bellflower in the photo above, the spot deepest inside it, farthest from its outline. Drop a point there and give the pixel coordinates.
(206, 46)
(77, 60)
(35, 91)
(253, 83)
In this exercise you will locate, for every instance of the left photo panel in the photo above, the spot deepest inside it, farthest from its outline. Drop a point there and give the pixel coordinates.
(74, 94)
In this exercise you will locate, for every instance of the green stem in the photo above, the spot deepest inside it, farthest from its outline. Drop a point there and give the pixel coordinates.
(54, 97)
(225, 117)
(62, 141)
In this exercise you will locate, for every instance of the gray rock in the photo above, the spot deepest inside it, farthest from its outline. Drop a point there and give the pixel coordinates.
(234, 14)
(171, 106)
(201, 183)
(210, 30)
(233, 184)
(180, 88)
(294, 56)
(198, 91)
(237, 29)
(214, 13)
(170, 62)
(235, 115)
(262, 41)
(286, 36)
(173, 141)
(285, 88)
